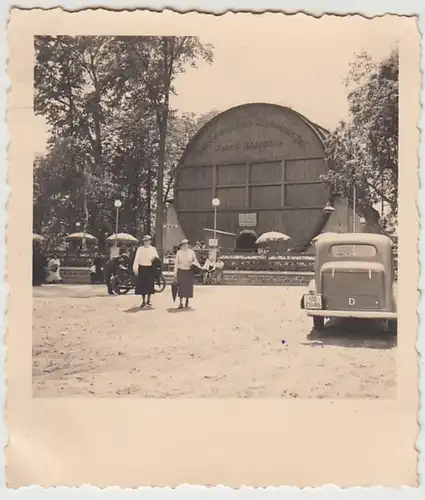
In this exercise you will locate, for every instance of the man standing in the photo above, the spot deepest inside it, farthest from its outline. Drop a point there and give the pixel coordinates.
(111, 268)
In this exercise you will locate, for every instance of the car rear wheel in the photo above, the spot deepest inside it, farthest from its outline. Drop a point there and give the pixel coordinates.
(318, 322)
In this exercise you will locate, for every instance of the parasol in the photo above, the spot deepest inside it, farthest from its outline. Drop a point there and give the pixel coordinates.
(37, 237)
(272, 236)
(122, 238)
(81, 236)
(174, 289)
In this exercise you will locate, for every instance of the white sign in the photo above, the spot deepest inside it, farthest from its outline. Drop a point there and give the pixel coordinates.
(248, 220)
(212, 242)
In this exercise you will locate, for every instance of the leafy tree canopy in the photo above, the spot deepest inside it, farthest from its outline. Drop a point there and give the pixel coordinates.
(364, 150)
(113, 133)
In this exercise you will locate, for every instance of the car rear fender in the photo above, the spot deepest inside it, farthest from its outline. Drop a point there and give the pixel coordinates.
(395, 296)
(312, 286)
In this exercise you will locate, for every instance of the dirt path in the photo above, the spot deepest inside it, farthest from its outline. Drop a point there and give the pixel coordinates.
(236, 342)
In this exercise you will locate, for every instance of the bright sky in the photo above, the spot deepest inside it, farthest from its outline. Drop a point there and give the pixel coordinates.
(296, 61)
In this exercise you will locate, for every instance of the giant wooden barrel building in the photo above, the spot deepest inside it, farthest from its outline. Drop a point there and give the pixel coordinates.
(263, 162)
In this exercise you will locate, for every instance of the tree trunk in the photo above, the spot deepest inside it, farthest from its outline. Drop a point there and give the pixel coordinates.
(159, 220)
(86, 216)
(148, 212)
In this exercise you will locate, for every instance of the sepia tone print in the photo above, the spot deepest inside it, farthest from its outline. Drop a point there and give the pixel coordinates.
(216, 247)
(134, 195)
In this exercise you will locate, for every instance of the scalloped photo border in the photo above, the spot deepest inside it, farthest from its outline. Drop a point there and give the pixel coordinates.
(316, 8)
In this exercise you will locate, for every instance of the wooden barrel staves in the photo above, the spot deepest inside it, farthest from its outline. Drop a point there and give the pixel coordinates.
(264, 163)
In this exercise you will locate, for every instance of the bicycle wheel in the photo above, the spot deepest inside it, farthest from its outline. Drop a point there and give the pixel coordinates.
(119, 287)
(160, 284)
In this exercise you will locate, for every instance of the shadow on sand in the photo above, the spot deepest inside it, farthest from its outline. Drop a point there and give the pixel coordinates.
(177, 310)
(137, 309)
(355, 333)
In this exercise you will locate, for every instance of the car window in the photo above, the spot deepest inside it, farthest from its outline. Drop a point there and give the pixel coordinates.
(352, 251)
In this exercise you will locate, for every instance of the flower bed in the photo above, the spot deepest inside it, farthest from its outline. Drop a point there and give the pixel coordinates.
(279, 263)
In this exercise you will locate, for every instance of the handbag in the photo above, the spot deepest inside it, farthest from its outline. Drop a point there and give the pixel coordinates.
(196, 269)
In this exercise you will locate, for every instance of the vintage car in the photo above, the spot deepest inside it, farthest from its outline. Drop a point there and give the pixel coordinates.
(354, 278)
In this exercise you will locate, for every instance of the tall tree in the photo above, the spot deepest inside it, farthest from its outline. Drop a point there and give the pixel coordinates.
(364, 150)
(107, 102)
(158, 61)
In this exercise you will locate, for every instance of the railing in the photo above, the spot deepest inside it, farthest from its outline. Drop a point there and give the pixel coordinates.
(284, 262)
(82, 259)
(232, 260)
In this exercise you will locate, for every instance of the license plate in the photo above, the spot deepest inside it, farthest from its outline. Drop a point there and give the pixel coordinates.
(312, 301)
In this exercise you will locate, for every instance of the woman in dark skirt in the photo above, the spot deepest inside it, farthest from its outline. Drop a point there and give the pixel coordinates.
(144, 270)
(183, 273)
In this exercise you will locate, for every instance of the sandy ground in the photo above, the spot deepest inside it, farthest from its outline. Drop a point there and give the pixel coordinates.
(236, 342)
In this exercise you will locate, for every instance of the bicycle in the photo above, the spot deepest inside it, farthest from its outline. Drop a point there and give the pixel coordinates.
(125, 280)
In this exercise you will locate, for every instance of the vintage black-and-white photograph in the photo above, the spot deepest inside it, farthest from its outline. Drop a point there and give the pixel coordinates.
(215, 216)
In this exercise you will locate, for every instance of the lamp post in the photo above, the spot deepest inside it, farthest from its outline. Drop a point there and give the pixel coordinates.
(78, 227)
(117, 205)
(354, 209)
(328, 208)
(215, 204)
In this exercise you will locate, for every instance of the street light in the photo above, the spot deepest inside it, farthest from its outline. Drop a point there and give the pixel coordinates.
(328, 208)
(78, 227)
(215, 204)
(117, 205)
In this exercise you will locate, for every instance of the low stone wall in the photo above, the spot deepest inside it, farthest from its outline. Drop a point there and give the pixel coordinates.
(262, 278)
(81, 276)
(75, 275)
(270, 278)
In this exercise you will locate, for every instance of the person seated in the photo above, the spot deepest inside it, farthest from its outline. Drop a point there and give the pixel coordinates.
(53, 270)
(124, 259)
(209, 267)
(219, 266)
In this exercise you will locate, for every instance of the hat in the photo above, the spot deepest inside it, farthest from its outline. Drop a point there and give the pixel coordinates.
(183, 242)
(146, 238)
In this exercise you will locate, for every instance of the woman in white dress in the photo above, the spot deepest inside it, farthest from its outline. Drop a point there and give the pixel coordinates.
(183, 272)
(143, 267)
(53, 270)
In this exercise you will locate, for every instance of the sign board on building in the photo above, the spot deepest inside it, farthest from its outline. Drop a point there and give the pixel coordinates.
(248, 220)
